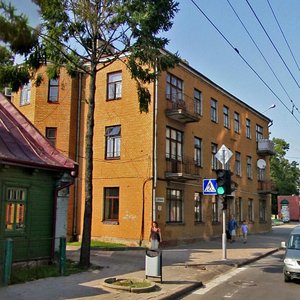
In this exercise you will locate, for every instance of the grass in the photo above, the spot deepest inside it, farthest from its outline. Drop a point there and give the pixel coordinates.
(132, 283)
(31, 272)
(98, 244)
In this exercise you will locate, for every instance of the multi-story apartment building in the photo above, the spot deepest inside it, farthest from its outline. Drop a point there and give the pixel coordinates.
(151, 165)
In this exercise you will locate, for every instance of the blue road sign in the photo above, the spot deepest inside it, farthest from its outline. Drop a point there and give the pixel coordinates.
(209, 187)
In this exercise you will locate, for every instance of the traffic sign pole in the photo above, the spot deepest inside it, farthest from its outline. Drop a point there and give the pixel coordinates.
(224, 252)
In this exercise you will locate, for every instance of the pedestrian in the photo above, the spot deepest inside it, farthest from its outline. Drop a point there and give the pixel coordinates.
(155, 236)
(245, 230)
(232, 227)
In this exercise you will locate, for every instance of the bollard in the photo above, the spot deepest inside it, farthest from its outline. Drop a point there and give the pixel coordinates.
(62, 255)
(7, 261)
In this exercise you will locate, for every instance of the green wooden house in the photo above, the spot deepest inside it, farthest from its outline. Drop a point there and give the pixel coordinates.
(33, 174)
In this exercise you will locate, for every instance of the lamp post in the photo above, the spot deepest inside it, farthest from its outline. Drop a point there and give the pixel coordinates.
(270, 107)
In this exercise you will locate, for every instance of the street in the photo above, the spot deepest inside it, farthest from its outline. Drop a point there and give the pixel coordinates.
(260, 280)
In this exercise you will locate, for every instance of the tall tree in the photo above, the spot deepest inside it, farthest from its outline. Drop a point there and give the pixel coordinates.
(78, 34)
(284, 173)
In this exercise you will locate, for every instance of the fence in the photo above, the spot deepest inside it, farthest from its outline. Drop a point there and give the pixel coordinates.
(14, 251)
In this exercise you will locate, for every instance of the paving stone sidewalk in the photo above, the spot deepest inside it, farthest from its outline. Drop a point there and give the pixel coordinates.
(185, 268)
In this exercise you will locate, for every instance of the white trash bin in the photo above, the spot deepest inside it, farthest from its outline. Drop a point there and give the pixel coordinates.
(153, 264)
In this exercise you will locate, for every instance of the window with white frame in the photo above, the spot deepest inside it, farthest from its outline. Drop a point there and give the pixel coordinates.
(111, 204)
(113, 142)
(249, 167)
(114, 85)
(197, 102)
(174, 88)
(25, 94)
(214, 110)
(237, 124)
(174, 144)
(174, 206)
(214, 160)
(250, 210)
(248, 128)
(51, 133)
(15, 209)
(198, 207)
(259, 132)
(198, 151)
(53, 90)
(226, 117)
(238, 164)
(262, 210)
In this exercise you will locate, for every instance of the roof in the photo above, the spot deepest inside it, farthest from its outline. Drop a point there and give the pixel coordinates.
(22, 144)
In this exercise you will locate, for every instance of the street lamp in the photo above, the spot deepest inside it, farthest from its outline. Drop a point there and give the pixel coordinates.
(270, 107)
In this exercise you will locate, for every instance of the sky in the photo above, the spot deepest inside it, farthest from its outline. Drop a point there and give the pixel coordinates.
(248, 47)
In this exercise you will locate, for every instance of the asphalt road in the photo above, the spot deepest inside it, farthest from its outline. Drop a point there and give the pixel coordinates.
(260, 280)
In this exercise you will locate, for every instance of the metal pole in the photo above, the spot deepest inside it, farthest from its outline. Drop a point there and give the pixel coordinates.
(62, 255)
(224, 236)
(7, 261)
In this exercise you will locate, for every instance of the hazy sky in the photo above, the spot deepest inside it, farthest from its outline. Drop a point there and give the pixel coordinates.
(208, 46)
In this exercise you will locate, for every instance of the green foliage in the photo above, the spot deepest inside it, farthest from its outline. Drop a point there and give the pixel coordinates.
(284, 173)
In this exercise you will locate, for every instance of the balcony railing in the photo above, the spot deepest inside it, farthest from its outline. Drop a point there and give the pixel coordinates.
(265, 147)
(182, 111)
(266, 187)
(182, 170)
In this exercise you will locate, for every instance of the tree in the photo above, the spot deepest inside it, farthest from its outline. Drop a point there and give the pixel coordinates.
(285, 174)
(77, 34)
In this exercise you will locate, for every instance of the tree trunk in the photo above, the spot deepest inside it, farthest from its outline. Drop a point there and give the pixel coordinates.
(88, 209)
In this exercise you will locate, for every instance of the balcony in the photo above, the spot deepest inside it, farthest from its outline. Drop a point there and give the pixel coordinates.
(265, 147)
(266, 187)
(182, 111)
(182, 170)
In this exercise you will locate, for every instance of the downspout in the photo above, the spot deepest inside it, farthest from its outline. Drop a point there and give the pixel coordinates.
(76, 185)
(155, 147)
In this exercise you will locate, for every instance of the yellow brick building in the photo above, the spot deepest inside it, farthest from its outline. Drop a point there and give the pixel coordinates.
(152, 166)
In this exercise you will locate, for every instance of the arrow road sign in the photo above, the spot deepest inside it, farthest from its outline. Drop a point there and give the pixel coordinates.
(209, 187)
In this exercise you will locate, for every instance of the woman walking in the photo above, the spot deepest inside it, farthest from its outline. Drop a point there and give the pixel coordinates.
(155, 236)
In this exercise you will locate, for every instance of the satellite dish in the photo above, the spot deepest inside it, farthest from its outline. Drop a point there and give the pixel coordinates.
(261, 163)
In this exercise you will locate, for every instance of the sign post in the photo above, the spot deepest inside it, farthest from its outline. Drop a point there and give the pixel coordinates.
(223, 155)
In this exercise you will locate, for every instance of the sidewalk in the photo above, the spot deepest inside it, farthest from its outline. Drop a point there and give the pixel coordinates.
(185, 268)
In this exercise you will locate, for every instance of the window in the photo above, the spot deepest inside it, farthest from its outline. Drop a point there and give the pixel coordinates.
(249, 167)
(114, 86)
(248, 128)
(215, 212)
(262, 210)
(198, 207)
(25, 94)
(259, 132)
(198, 152)
(51, 135)
(15, 209)
(174, 88)
(250, 210)
(111, 204)
(198, 102)
(236, 122)
(214, 110)
(174, 205)
(53, 90)
(113, 142)
(238, 167)
(226, 117)
(174, 144)
(240, 209)
(214, 160)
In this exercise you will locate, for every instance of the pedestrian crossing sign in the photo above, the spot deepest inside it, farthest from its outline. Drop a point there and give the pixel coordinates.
(209, 187)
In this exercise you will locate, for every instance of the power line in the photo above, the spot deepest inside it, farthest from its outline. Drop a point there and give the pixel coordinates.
(272, 43)
(278, 80)
(283, 35)
(237, 51)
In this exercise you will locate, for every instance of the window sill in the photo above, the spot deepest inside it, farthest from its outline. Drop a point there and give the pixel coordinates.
(111, 222)
(175, 223)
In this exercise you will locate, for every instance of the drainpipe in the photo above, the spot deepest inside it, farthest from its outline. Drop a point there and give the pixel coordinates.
(76, 185)
(155, 148)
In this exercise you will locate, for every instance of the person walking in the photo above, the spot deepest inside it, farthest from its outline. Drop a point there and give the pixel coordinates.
(232, 227)
(245, 230)
(155, 236)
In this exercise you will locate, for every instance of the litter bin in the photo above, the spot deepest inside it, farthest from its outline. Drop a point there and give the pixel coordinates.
(153, 264)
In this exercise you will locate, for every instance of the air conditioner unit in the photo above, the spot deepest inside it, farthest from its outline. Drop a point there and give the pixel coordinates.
(7, 92)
